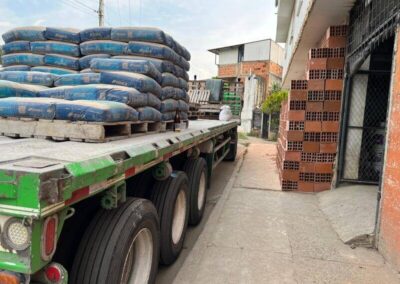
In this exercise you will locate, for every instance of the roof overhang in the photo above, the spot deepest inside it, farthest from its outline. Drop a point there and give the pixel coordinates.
(322, 14)
(285, 9)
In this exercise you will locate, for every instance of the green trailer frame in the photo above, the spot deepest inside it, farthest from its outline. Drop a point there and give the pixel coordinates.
(42, 178)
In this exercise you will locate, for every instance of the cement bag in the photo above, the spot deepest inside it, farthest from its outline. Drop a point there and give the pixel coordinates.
(103, 46)
(144, 67)
(181, 62)
(57, 47)
(161, 65)
(171, 93)
(183, 106)
(180, 73)
(140, 82)
(99, 111)
(138, 34)
(17, 68)
(170, 116)
(22, 59)
(17, 47)
(84, 62)
(63, 61)
(53, 70)
(155, 50)
(77, 79)
(99, 92)
(149, 114)
(183, 84)
(182, 51)
(63, 34)
(100, 33)
(169, 105)
(169, 80)
(87, 70)
(28, 77)
(39, 108)
(153, 101)
(25, 33)
(12, 89)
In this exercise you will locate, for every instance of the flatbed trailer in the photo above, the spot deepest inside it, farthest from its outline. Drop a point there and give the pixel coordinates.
(104, 212)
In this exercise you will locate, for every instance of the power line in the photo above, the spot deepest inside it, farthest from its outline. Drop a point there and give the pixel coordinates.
(70, 4)
(84, 5)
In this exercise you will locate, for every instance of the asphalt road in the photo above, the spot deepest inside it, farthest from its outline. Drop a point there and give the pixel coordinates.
(220, 178)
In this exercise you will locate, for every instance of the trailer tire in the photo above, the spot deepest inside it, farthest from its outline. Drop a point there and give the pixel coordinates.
(196, 170)
(171, 199)
(231, 156)
(119, 243)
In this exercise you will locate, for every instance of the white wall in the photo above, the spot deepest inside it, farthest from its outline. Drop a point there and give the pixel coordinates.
(256, 51)
(229, 56)
(277, 53)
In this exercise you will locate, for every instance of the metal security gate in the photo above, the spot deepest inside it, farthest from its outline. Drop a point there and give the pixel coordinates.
(367, 88)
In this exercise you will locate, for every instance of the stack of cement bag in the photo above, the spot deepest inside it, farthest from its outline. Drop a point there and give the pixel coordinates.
(143, 68)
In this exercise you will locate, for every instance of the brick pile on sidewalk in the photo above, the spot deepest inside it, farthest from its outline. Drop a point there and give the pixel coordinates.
(309, 122)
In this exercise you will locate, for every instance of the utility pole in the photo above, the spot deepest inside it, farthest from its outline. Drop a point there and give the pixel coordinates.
(101, 13)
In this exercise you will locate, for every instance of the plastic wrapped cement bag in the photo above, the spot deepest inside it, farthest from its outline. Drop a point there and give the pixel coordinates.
(100, 111)
(129, 96)
(12, 89)
(181, 73)
(28, 77)
(77, 79)
(149, 114)
(39, 108)
(183, 63)
(29, 59)
(103, 46)
(49, 46)
(17, 68)
(53, 70)
(161, 65)
(84, 62)
(183, 106)
(144, 67)
(183, 84)
(138, 34)
(170, 80)
(182, 51)
(25, 33)
(152, 50)
(169, 105)
(63, 61)
(17, 47)
(63, 34)
(226, 113)
(100, 33)
(140, 82)
(172, 93)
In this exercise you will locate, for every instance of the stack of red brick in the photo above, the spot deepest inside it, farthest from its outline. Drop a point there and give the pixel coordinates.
(309, 123)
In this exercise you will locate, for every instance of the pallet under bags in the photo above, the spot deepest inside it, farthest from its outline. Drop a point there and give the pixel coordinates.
(101, 92)
(29, 77)
(143, 67)
(140, 82)
(12, 89)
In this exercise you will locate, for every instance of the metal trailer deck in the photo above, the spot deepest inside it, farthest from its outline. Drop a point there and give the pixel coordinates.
(42, 178)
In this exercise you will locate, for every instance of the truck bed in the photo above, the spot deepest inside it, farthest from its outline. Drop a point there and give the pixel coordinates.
(36, 151)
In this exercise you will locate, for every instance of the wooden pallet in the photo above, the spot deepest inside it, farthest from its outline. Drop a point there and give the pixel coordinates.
(62, 130)
(199, 96)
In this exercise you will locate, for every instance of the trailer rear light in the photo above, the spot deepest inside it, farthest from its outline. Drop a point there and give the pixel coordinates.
(9, 278)
(54, 274)
(49, 237)
(16, 235)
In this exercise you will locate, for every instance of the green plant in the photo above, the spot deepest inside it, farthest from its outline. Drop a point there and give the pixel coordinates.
(274, 101)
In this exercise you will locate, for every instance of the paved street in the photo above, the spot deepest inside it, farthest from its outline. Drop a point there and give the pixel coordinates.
(258, 234)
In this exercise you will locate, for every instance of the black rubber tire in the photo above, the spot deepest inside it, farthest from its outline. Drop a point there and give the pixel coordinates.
(105, 244)
(231, 156)
(194, 168)
(164, 196)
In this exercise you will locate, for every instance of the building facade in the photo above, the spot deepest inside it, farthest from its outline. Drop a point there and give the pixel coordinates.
(341, 65)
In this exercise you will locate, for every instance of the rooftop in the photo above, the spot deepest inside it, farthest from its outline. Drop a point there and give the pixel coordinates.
(219, 49)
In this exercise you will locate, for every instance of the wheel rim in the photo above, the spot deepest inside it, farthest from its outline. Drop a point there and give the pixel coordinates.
(178, 222)
(138, 261)
(202, 191)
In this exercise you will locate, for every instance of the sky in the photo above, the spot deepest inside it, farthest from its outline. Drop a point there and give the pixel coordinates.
(197, 25)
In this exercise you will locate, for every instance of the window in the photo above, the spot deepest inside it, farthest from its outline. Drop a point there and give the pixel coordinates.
(241, 53)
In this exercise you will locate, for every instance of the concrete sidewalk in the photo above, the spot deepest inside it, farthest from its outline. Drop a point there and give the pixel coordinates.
(269, 236)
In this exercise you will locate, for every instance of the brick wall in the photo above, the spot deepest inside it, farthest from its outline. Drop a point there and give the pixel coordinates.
(389, 235)
(243, 69)
(228, 70)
